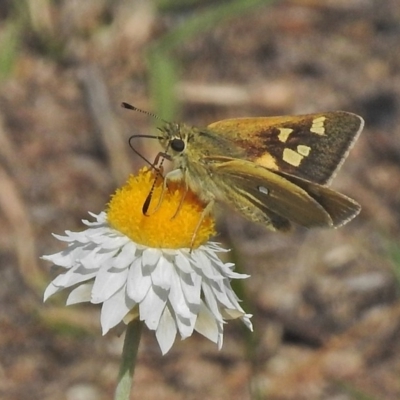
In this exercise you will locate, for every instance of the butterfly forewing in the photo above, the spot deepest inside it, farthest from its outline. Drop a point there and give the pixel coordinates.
(310, 146)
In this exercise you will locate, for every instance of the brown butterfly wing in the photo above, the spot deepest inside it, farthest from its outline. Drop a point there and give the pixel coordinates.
(341, 208)
(265, 197)
(311, 146)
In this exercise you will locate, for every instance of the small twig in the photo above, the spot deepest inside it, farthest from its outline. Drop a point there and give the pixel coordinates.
(275, 95)
(107, 125)
(14, 210)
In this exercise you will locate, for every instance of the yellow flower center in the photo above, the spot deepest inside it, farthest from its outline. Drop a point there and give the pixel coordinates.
(170, 223)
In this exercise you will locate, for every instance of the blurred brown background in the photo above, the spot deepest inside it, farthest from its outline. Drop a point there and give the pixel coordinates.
(325, 303)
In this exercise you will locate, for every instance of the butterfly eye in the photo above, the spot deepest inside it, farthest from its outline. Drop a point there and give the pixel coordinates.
(177, 145)
(263, 190)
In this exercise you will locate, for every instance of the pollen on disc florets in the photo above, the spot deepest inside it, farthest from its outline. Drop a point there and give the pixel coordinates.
(171, 225)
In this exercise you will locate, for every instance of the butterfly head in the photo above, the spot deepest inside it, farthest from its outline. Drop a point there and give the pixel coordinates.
(174, 138)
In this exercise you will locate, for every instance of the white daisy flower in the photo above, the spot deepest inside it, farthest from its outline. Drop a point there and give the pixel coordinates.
(142, 266)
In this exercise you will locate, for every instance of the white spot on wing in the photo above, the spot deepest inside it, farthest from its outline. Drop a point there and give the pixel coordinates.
(318, 126)
(303, 150)
(284, 134)
(291, 157)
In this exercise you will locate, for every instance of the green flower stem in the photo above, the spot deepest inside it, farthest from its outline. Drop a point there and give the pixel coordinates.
(128, 361)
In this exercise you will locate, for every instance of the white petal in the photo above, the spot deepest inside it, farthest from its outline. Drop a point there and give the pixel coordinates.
(233, 299)
(95, 258)
(101, 218)
(137, 284)
(70, 236)
(113, 243)
(114, 310)
(73, 277)
(207, 325)
(67, 257)
(166, 331)
(202, 262)
(176, 297)
(191, 287)
(184, 316)
(152, 307)
(220, 293)
(231, 313)
(183, 263)
(125, 257)
(151, 256)
(108, 281)
(226, 270)
(247, 322)
(211, 302)
(162, 274)
(91, 259)
(80, 294)
(50, 290)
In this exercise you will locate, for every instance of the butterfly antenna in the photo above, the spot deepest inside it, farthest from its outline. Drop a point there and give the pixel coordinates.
(131, 107)
(158, 169)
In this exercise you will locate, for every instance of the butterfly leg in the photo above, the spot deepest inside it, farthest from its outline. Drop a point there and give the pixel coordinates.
(204, 214)
(159, 172)
(174, 175)
(181, 202)
(163, 156)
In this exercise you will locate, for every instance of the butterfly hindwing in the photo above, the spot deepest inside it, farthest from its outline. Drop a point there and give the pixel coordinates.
(265, 193)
